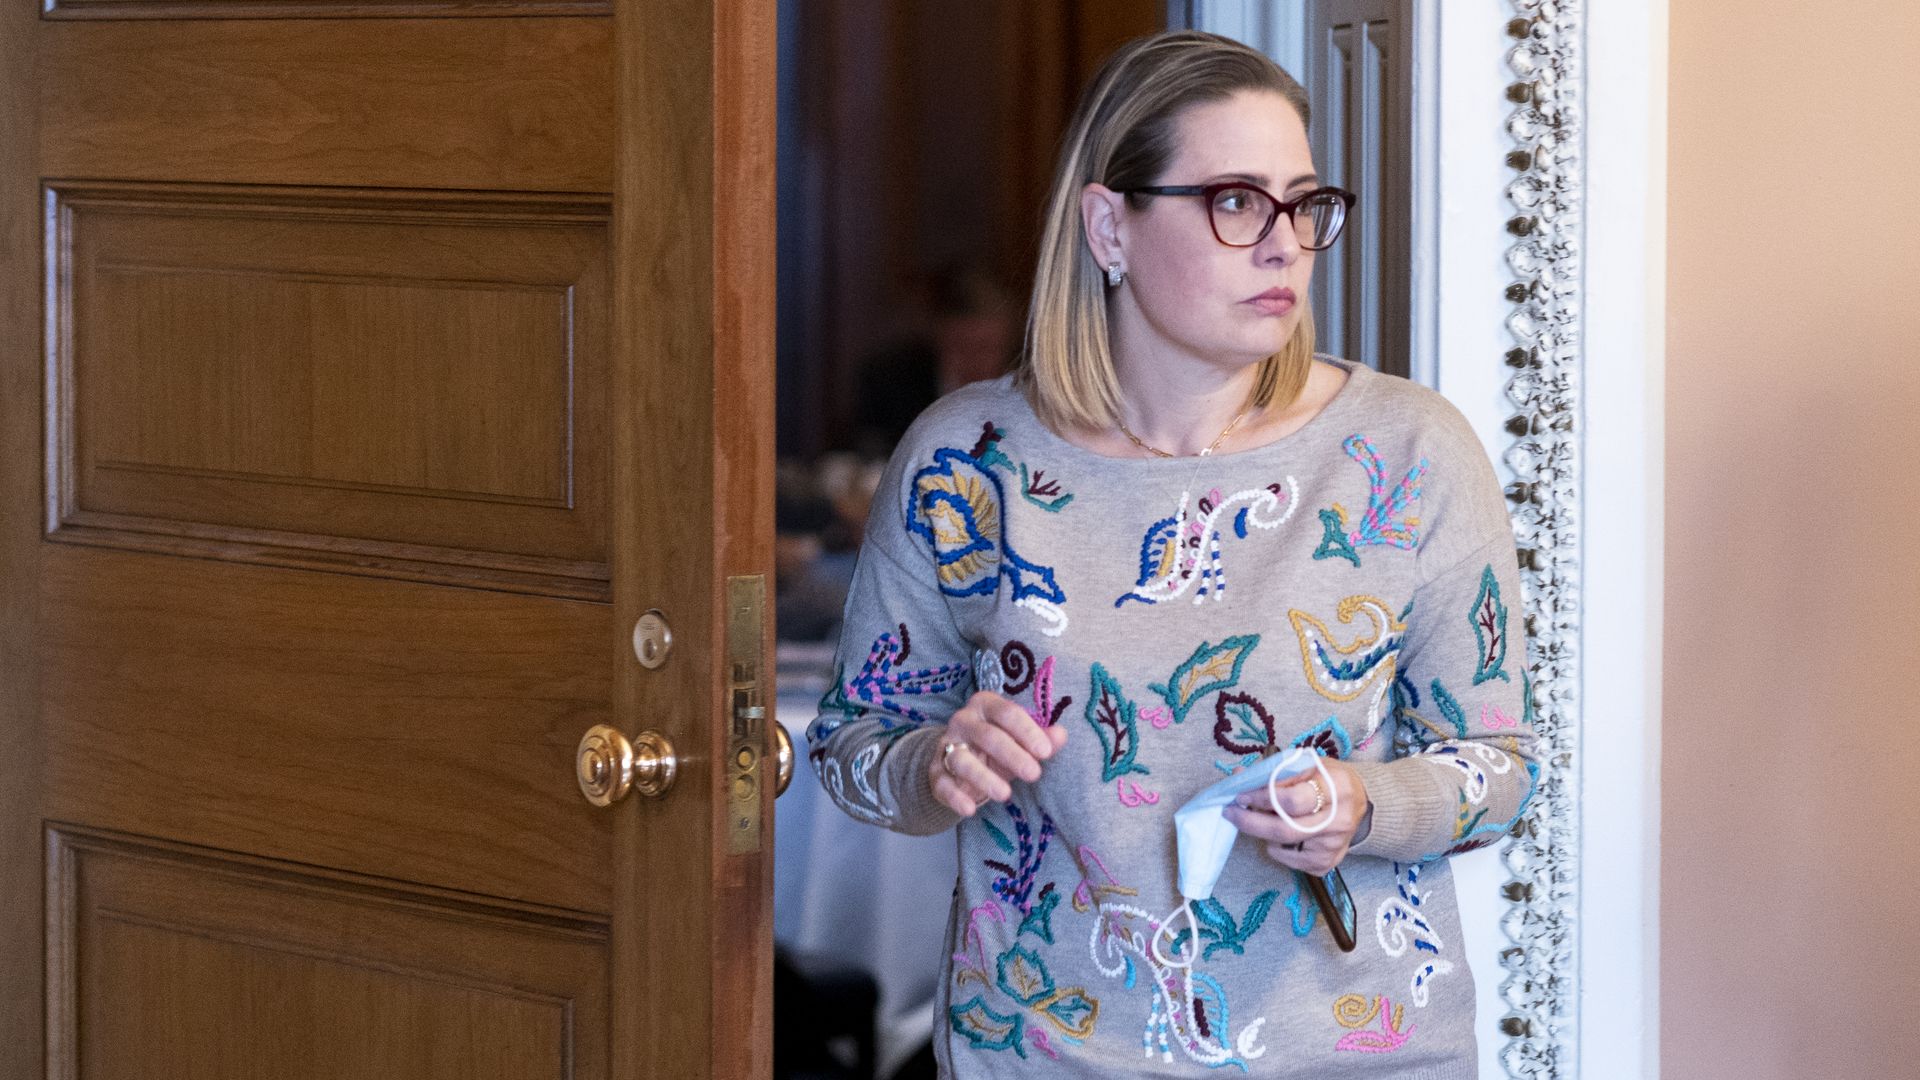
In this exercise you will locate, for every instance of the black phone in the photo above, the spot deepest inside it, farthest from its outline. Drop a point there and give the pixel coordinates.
(1336, 906)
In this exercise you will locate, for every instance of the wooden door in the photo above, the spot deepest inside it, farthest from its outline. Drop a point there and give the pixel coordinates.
(367, 369)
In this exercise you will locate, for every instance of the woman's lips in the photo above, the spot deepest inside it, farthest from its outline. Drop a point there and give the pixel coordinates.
(1274, 302)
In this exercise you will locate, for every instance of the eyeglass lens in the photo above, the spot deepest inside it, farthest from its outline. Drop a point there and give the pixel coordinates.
(1240, 217)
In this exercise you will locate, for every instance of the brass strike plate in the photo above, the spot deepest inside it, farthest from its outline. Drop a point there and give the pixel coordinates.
(746, 712)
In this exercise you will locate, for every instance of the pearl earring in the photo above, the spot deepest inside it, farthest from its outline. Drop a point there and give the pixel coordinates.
(1115, 275)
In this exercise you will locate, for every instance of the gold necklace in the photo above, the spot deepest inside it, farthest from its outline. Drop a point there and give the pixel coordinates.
(1211, 447)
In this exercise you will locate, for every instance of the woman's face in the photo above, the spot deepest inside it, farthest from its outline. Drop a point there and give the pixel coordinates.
(1196, 294)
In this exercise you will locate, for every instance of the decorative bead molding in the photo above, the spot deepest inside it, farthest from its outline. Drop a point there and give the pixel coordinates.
(1547, 194)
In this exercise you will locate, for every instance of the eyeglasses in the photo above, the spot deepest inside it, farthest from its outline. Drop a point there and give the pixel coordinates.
(1242, 214)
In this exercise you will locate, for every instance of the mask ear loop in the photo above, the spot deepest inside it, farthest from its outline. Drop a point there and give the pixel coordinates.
(1193, 936)
(1333, 796)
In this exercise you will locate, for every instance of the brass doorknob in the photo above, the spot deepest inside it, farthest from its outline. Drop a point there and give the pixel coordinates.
(783, 760)
(608, 765)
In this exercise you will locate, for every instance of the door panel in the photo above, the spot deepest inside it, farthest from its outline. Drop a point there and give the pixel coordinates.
(414, 732)
(362, 381)
(309, 376)
(167, 963)
(483, 104)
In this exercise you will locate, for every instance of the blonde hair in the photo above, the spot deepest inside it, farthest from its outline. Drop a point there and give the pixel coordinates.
(1123, 135)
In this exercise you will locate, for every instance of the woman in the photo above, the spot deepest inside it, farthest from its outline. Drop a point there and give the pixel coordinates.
(1172, 544)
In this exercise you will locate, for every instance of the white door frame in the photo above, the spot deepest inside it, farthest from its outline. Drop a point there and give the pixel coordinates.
(1592, 922)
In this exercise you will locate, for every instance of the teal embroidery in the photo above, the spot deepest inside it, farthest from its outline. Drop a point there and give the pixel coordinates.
(1221, 930)
(1333, 538)
(1073, 1010)
(836, 708)
(999, 838)
(1023, 976)
(1034, 486)
(1462, 824)
(1478, 836)
(1301, 907)
(1041, 492)
(1450, 709)
(1329, 737)
(986, 1029)
(1489, 620)
(1210, 668)
(1039, 921)
(1116, 721)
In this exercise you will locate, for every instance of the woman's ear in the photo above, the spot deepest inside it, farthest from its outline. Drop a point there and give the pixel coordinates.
(1102, 211)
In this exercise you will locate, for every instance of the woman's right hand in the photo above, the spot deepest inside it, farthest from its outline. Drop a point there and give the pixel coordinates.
(989, 741)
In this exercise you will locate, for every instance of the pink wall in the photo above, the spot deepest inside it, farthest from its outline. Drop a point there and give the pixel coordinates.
(1790, 855)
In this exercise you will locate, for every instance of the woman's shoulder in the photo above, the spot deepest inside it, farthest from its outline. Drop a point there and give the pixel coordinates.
(1407, 433)
(1408, 413)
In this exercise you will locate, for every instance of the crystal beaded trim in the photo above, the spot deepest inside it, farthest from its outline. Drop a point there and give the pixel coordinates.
(1544, 256)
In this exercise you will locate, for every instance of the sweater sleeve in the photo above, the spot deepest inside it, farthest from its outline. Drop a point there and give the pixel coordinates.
(902, 668)
(1465, 762)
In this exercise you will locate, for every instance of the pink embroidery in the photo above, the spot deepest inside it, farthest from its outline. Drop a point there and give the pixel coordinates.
(1039, 1038)
(1388, 1039)
(1083, 895)
(1494, 719)
(1139, 796)
(979, 960)
(1042, 711)
(1159, 716)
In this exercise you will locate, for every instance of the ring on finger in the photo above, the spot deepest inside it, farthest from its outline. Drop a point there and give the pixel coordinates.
(946, 755)
(1319, 798)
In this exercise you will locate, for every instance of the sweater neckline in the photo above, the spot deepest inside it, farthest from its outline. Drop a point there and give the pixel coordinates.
(1359, 383)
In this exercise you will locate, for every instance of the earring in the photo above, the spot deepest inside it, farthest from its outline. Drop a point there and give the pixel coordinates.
(1115, 275)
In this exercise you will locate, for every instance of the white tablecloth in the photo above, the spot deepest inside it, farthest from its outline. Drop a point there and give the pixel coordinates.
(861, 896)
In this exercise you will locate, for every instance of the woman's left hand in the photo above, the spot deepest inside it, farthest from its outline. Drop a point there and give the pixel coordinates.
(1312, 852)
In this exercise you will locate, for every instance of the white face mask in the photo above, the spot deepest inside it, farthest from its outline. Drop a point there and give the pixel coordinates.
(1204, 837)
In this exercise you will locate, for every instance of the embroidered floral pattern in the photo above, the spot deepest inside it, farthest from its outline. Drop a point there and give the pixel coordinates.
(1182, 552)
(1039, 920)
(1386, 522)
(1015, 883)
(1489, 620)
(885, 683)
(1450, 709)
(1242, 725)
(1210, 668)
(1034, 487)
(1366, 665)
(1016, 667)
(1333, 537)
(987, 1029)
(1116, 721)
(1402, 927)
(1329, 737)
(1354, 1013)
(1220, 929)
(955, 507)
(1186, 1009)
(1046, 711)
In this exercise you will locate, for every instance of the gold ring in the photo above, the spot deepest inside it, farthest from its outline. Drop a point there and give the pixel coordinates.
(946, 756)
(1319, 798)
